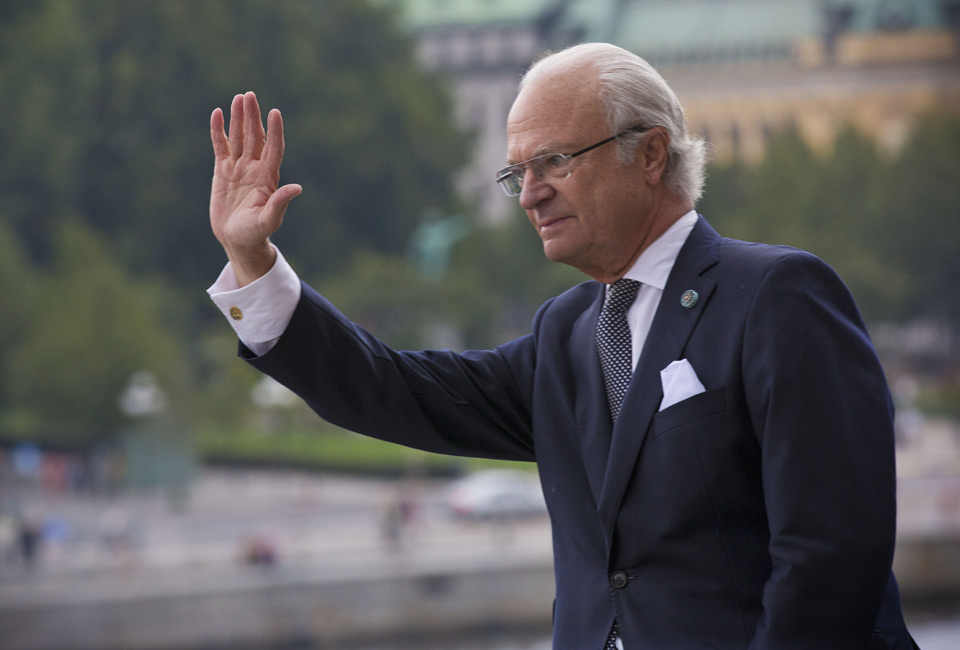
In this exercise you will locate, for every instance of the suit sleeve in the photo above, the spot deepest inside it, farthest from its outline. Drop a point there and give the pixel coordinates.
(822, 413)
(470, 404)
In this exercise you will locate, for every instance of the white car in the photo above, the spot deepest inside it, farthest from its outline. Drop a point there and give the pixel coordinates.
(497, 494)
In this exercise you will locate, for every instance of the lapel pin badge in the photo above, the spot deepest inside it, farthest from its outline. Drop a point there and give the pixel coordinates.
(689, 298)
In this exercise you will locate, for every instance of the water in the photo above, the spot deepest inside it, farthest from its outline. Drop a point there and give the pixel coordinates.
(935, 627)
(331, 514)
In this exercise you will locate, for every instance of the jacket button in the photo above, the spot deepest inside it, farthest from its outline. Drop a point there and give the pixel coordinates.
(618, 579)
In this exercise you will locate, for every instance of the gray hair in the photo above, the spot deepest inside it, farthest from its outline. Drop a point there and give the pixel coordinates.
(633, 93)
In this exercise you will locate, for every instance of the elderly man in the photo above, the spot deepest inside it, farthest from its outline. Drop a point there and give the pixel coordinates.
(711, 424)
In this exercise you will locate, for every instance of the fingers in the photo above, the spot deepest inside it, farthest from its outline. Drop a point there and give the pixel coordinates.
(236, 126)
(217, 136)
(273, 151)
(253, 134)
(246, 134)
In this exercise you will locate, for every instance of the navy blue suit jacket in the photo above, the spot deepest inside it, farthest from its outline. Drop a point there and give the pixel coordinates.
(758, 514)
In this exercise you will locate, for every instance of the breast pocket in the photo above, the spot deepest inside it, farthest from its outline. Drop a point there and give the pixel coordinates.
(690, 410)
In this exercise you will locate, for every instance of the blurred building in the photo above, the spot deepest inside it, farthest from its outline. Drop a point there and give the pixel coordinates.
(483, 47)
(744, 69)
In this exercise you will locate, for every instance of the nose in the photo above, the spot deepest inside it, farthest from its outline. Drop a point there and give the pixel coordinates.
(534, 191)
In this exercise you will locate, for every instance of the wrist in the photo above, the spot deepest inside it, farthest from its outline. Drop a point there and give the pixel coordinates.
(249, 264)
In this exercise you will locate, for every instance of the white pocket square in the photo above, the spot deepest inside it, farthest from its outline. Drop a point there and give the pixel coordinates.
(680, 382)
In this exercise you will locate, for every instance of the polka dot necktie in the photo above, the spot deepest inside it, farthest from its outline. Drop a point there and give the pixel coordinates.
(611, 643)
(613, 341)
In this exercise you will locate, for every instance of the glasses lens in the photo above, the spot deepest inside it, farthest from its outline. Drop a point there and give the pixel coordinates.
(511, 180)
(553, 165)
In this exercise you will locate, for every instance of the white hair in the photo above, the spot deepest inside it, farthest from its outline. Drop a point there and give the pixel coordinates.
(632, 93)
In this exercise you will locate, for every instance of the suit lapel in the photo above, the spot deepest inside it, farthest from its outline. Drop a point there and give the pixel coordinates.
(593, 421)
(668, 335)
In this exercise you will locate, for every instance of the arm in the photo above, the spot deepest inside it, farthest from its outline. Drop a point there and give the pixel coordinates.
(820, 406)
(246, 203)
(439, 401)
(471, 404)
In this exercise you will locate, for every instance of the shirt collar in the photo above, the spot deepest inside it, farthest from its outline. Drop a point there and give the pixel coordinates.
(654, 264)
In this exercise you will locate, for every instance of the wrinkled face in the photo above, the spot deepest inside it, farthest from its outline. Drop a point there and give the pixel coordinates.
(595, 219)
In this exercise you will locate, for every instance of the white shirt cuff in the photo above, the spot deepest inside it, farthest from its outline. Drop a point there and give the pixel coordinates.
(260, 311)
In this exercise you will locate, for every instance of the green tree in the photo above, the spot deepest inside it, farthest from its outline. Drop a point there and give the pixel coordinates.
(846, 222)
(832, 205)
(386, 295)
(920, 225)
(106, 106)
(496, 279)
(105, 166)
(91, 329)
(499, 278)
(18, 292)
(776, 195)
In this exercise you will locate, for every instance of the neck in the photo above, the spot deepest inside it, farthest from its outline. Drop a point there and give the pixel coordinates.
(655, 229)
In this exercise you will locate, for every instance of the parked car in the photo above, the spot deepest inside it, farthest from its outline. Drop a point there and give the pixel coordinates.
(497, 494)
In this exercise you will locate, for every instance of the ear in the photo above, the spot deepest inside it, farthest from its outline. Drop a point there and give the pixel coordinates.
(654, 150)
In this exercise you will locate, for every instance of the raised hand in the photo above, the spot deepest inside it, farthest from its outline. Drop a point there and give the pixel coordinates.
(246, 204)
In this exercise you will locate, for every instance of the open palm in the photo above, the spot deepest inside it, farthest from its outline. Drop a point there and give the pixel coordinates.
(246, 204)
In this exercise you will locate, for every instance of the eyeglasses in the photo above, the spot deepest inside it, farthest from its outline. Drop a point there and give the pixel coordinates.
(549, 165)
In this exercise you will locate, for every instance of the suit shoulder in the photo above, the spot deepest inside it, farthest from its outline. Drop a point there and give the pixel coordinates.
(757, 257)
(753, 267)
(569, 304)
(756, 252)
(578, 297)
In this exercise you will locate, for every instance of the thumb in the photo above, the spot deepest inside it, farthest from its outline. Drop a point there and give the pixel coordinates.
(277, 203)
(283, 195)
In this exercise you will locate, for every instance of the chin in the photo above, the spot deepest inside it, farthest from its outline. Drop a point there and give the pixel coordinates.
(558, 254)
(553, 252)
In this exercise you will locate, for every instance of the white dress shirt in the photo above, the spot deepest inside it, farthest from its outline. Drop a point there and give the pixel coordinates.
(652, 269)
(261, 311)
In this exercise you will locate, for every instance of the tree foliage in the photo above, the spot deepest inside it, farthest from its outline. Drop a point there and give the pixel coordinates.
(18, 292)
(890, 227)
(496, 279)
(920, 228)
(105, 164)
(90, 328)
(106, 106)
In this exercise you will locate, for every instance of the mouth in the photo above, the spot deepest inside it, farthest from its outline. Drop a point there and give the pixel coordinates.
(549, 223)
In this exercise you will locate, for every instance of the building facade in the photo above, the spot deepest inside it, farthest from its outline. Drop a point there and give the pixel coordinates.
(744, 69)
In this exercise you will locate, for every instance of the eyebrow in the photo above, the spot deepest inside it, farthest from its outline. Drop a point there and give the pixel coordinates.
(539, 151)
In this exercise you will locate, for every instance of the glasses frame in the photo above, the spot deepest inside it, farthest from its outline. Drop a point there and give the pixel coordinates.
(519, 170)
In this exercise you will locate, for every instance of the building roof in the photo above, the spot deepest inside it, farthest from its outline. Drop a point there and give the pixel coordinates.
(722, 29)
(680, 31)
(429, 14)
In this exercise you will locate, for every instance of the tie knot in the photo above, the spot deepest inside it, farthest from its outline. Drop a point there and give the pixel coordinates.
(621, 295)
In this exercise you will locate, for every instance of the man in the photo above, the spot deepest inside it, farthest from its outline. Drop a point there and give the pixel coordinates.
(717, 455)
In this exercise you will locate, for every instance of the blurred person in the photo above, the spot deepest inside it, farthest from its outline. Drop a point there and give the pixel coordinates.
(29, 532)
(712, 428)
(258, 550)
(399, 514)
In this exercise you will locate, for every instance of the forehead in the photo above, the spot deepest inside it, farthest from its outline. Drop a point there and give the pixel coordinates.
(553, 115)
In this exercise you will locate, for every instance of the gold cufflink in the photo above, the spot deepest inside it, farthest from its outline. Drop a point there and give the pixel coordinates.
(235, 313)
